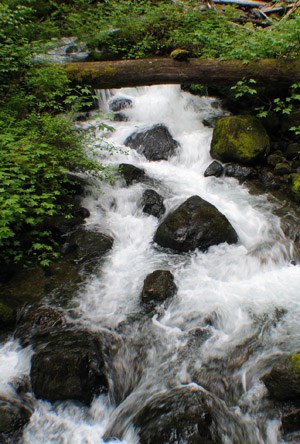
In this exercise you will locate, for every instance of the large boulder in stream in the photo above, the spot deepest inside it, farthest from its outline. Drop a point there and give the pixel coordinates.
(194, 224)
(158, 287)
(240, 139)
(70, 365)
(283, 380)
(155, 143)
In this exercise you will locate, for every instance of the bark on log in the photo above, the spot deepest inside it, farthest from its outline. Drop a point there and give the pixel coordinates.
(122, 73)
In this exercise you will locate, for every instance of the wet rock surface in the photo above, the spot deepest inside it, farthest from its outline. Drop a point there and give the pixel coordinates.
(131, 173)
(153, 203)
(120, 103)
(283, 380)
(155, 143)
(70, 365)
(158, 287)
(89, 246)
(239, 172)
(180, 415)
(214, 169)
(14, 415)
(35, 320)
(194, 224)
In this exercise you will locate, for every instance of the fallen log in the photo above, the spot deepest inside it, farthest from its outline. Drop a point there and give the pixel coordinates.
(123, 73)
(247, 3)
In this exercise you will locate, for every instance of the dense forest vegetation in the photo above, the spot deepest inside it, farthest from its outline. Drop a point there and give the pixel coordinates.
(39, 143)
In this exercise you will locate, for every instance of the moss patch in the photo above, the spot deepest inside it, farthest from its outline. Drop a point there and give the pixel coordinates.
(296, 186)
(296, 362)
(240, 139)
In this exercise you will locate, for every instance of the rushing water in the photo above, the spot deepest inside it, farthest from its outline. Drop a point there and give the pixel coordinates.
(246, 295)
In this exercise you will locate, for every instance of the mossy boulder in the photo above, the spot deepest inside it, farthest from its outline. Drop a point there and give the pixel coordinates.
(180, 54)
(295, 187)
(240, 139)
(283, 380)
(194, 224)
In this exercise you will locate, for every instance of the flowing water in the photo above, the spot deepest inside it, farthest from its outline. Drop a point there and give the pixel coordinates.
(236, 309)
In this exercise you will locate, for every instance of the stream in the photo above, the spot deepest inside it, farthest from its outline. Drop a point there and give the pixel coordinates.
(237, 306)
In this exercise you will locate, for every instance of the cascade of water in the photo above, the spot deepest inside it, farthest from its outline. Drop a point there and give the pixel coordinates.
(234, 292)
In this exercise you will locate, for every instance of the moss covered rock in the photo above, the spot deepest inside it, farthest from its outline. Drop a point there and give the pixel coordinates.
(283, 380)
(180, 54)
(240, 139)
(295, 187)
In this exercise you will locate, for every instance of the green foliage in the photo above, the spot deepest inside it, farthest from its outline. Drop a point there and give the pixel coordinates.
(38, 146)
(244, 87)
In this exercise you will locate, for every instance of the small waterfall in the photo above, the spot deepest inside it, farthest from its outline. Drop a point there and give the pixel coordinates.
(245, 297)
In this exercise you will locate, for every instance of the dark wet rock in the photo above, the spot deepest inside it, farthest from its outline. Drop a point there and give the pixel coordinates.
(155, 143)
(194, 224)
(120, 117)
(7, 317)
(120, 103)
(292, 151)
(283, 380)
(158, 287)
(70, 365)
(89, 246)
(273, 159)
(239, 172)
(267, 180)
(62, 225)
(34, 320)
(290, 419)
(214, 169)
(131, 173)
(240, 139)
(282, 168)
(181, 415)
(14, 415)
(153, 203)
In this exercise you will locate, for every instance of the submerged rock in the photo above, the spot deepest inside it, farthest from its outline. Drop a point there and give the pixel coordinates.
(71, 365)
(158, 287)
(131, 173)
(240, 139)
(155, 143)
(214, 169)
(283, 380)
(194, 224)
(153, 203)
(181, 415)
(13, 415)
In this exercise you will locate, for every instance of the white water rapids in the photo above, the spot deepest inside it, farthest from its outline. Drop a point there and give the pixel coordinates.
(236, 291)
